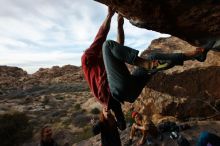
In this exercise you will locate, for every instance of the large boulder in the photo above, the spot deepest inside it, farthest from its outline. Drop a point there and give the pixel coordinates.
(195, 21)
(185, 91)
(11, 78)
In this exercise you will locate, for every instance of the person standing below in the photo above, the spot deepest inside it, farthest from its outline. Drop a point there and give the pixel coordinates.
(94, 68)
(143, 125)
(46, 137)
(107, 126)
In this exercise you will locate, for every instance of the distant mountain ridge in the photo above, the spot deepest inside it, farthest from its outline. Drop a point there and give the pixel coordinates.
(14, 78)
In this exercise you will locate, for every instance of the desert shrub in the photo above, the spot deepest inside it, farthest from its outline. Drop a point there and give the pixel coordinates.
(83, 110)
(59, 98)
(14, 129)
(95, 111)
(78, 112)
(46, 101)
(81, 120)
(85, 134)
(77, 106)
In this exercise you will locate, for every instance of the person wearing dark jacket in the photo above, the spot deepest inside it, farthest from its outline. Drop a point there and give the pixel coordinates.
(108, 128)
(46, 137)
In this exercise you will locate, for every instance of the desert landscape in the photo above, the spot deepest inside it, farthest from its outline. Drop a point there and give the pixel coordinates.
(60, 97)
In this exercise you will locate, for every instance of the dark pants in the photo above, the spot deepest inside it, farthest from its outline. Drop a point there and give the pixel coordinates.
(126, 86)
(206, 138)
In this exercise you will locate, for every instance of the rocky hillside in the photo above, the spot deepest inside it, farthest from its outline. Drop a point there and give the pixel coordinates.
(185, 91)
(192, 20)
(10, 78)
(15, 80)
(58, 96)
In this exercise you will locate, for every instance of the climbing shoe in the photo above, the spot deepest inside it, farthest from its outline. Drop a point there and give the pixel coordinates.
(161, 65)
(201, 57)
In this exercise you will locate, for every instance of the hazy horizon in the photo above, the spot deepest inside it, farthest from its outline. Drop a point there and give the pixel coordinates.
(45, 33)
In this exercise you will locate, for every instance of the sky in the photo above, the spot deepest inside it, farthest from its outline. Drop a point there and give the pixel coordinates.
(43, 33)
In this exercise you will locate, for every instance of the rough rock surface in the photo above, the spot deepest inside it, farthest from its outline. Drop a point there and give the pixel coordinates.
(185, 91)
(190, 20)
(10, 78)
(191, 135)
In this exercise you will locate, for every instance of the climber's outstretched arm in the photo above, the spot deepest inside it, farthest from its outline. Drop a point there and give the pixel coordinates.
(101, 36)
(120, 36)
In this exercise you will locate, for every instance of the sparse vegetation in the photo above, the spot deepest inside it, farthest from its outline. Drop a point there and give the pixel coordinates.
(81, 120)
(15, 129)
(95, 111)
(46, 100)
(77, 106)
(85, 134)
(59, 98)
(78, 112)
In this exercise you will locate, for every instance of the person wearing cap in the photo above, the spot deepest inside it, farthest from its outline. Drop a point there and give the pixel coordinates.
(145, 126)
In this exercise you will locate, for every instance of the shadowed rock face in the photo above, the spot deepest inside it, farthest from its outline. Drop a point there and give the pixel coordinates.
(191, 90)
(195, 21)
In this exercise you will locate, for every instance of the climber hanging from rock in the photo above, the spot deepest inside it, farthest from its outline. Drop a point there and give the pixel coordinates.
(94, 69)
(109, 79)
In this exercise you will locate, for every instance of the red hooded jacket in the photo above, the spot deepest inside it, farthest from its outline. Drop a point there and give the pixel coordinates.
(94, 69)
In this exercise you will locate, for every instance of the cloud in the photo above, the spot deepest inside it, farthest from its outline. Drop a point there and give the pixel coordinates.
(43, 33)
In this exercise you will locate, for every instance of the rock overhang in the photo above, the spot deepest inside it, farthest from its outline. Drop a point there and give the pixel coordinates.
(195, 21)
